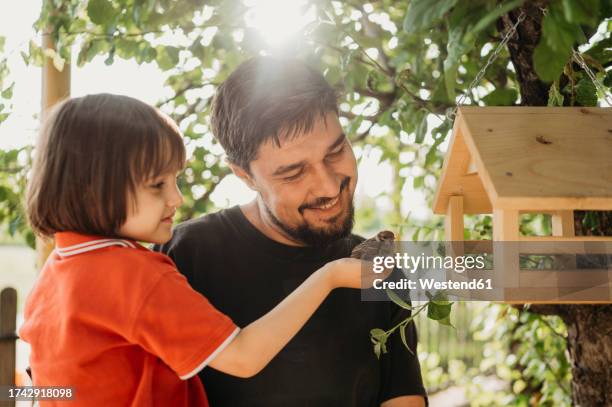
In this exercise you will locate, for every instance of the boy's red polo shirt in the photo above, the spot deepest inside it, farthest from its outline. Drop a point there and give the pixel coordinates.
(121, 325)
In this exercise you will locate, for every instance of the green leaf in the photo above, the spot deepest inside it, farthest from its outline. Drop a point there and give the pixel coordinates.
(375, 79)
(35, 54)
(582, 11)
(407, 121)
(30, 239)
(446, 321)
(397, 300)
(590, 220)
(440, 298)
(458, 45)
(432, 155)
(100, 12)
(438, 311)
(418, 182)
(586, 93)
(111, 56)
(402, 330)
(126, 48)
(198, 50)
(14, 225)
(602, 50)
(421, 130)
(495, 14)
(501, 97)
(384, 347)
(605, 10)
(422, 14)
(549, 63)
(347, 59)
(608, 79)
(147, 53)
(8, 92)
(90, 49)
(555, 97)
(559, 33)
(379, 339)
(167, 57)
(378, 335)
(377, 349)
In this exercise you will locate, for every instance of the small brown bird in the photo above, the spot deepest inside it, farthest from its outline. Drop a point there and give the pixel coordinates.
(383, 244)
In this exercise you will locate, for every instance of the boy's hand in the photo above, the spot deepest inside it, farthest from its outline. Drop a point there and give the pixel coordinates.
(345, 273)
(357, 272)
(353, 273)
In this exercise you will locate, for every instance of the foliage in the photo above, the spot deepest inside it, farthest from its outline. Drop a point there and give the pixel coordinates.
(438, 309)
(13, 166)
(6, 89)
(13, 171)
(399, 65)
(536, 367)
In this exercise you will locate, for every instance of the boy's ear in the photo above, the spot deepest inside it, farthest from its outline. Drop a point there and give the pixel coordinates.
(243, 175)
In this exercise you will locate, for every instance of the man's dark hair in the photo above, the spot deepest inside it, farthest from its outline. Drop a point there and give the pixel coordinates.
(268, 98)
(91, 155)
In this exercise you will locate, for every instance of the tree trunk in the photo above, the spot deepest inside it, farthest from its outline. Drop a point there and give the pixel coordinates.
(533, 91)
(590, 347)
(589, 327)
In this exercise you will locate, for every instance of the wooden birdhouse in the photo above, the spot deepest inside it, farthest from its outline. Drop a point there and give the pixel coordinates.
(507, 161)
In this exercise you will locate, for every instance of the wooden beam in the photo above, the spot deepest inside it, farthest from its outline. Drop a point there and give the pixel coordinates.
(565, 238)
(453, 222)
(505, 225)
(55, 83)
(505, 253)
(55, 88)
(8, 314)
(563, 223)
(550, 246)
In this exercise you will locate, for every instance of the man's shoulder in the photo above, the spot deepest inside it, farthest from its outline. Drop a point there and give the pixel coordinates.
(353, 240)
(204, 225)
(206, 231)
(343, 247)
(356, 238)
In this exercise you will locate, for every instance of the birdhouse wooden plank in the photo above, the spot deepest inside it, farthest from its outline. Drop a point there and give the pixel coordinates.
(506, 161)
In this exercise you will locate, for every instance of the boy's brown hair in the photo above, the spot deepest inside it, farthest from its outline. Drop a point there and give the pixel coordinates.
(92, 153)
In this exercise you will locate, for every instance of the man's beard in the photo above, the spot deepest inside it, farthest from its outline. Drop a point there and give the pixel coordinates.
(323, 236)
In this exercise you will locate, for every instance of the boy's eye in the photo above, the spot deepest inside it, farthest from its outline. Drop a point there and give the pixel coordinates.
(158, 185)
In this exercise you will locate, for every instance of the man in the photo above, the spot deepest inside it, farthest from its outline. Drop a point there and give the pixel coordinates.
(278, 123)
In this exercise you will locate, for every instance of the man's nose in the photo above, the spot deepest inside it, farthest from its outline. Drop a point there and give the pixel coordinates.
(326, 183)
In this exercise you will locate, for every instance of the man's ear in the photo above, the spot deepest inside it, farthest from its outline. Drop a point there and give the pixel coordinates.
(243, 175)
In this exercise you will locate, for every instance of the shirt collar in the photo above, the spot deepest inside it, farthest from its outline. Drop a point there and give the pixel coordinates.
(71, 243)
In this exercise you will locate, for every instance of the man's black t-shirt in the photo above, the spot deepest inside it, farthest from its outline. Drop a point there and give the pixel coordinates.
(330, 362)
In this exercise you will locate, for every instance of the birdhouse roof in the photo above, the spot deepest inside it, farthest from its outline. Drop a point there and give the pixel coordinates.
(528, 158)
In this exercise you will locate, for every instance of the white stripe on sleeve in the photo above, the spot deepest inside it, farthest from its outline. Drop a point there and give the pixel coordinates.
(212, 356)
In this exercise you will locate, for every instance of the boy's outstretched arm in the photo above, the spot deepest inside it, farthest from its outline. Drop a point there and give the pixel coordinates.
(405, 401)
(256, 344)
